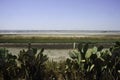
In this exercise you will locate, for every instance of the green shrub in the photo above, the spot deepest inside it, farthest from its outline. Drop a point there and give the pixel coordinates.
(101, 64)
(8, 65)
(32, 63)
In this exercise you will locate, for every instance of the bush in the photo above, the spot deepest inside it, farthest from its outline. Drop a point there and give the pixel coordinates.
(102, 64)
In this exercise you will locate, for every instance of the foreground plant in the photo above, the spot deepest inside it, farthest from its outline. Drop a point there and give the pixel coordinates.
(8, 65)
(102, 64)
(32, 63)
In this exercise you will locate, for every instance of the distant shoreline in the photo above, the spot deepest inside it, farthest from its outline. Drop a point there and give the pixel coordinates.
(57, 40)
(59, 32)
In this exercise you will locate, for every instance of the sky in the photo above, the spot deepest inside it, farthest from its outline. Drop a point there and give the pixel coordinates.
(59, 14)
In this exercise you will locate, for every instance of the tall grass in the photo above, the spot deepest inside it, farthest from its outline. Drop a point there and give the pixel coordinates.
(22, 39)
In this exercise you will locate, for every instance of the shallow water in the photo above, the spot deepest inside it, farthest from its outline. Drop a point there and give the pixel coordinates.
(90, 32)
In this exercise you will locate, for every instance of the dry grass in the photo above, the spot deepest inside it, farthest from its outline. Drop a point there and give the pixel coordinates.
(67, 38)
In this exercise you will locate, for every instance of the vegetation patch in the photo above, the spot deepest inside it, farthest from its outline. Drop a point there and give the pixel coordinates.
(59, 39)
(101, 64)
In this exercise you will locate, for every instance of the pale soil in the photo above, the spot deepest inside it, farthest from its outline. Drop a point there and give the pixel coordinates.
(53, 54)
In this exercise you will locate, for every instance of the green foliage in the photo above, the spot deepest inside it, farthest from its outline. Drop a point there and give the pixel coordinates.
(7, 65)
(77, 64)
(32, 63)
(102, 64)
(83, 49)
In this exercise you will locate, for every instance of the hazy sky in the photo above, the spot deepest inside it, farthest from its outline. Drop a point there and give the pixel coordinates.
(60, 14)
